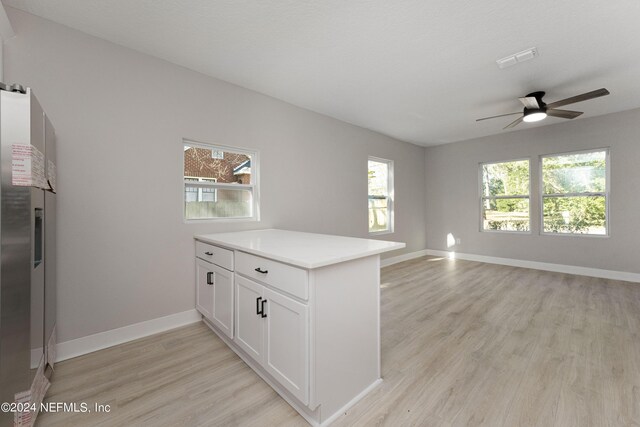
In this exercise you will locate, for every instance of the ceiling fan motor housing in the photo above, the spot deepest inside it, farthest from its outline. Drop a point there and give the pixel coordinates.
(542, 107)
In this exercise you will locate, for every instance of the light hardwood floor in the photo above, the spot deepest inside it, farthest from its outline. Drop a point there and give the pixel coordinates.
(463, 343)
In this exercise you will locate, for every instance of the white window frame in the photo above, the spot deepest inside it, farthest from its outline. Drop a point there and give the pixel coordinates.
(482, 197)
(253, 187)
(606, 193)
(390, 195)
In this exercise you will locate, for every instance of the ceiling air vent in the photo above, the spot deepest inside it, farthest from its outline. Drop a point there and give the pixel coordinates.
(517, 58)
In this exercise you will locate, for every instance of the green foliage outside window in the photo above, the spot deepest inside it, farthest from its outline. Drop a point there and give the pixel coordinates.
(506, 179)
(507, 214)
(505, 190)
(574, 198)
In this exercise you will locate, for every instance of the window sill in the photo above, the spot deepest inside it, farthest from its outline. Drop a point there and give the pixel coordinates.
(219, 220)
(380, 233)
(506, 232)
(596, 236)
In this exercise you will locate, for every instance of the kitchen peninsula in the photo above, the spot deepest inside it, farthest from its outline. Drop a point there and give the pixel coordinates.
(301, 309)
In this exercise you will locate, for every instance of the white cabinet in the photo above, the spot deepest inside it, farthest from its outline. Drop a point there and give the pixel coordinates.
(204, 289)
(304, 312)
(274, 330)
(249, 323)
(222, 315)
(214, 294)
(215, 255)
(286, 354)
(288, 279)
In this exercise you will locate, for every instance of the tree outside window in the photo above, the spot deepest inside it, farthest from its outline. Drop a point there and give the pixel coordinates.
(575, 192)
(505, 196)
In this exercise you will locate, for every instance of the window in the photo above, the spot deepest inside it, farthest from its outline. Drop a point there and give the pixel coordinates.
(380, 195)
(575, 193)
(505, 196)
(219, 182)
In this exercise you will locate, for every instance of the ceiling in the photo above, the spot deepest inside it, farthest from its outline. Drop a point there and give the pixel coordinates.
(419, 71)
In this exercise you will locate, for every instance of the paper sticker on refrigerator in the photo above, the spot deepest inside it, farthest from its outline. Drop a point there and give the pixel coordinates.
(27, 166)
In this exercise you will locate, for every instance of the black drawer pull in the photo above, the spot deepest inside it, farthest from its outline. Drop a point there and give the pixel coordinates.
(262, 271)
(258, 305)
(209, 278)
(262, 311)
(208, 253)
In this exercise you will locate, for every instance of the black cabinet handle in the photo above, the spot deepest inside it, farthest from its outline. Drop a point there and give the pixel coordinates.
(209, 277)
(258, 305)
(262, 311)
(262, 271)
(208, 253)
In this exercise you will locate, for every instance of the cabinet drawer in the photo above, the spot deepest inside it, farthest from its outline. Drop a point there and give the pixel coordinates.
(289, 279)
(215, 254)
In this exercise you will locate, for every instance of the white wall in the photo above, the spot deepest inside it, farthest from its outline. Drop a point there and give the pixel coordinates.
(6, 32)
(453, 196)
(124, 253)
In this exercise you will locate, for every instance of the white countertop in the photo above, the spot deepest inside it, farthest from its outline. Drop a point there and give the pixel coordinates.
(307, 250)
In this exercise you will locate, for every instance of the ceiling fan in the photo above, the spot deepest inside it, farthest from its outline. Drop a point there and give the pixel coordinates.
(535, 109)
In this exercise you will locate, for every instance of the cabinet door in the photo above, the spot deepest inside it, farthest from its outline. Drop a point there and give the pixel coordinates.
(249, 324)
(287, 343)
(222, 315)
(204, 288)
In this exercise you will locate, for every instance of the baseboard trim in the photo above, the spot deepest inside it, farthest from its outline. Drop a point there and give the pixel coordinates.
(89, 344)
(404, 257)
(535, 265)
(352, 402)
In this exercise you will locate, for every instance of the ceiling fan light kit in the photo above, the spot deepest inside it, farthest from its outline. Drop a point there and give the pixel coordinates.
(535, 109)
(534, 116)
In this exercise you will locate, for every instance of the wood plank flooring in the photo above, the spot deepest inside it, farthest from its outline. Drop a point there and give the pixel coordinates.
(463, 344)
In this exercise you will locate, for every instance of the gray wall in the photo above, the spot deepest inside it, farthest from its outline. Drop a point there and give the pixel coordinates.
(124, 253)
(453, 199)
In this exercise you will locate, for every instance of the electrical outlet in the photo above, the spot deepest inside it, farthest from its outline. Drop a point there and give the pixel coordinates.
(457, 240)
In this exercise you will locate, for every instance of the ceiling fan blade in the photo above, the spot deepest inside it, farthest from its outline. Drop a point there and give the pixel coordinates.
(579, 98)
(530, 102)
(563, 114)
(514, 123)
(494, 117)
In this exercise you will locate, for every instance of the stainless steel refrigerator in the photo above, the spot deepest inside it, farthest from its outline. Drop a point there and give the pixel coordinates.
(27, 252)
